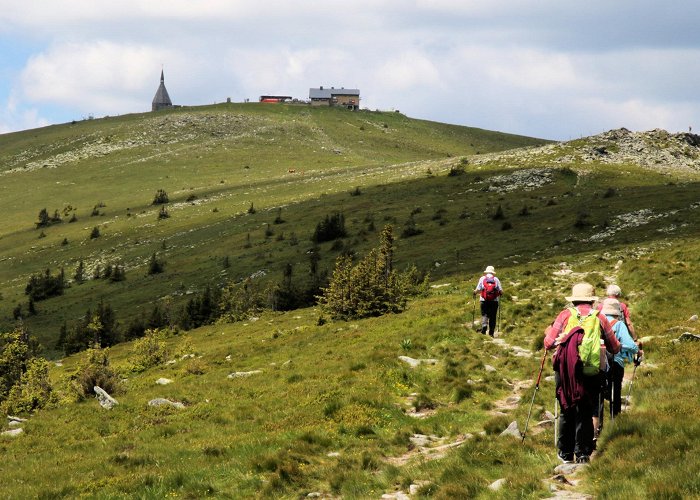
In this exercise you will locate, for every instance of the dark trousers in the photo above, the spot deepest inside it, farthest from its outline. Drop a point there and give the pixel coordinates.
(576, 423)
(617, 373)
(489, 312)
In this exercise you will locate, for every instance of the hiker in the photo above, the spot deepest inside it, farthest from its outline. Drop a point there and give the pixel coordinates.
(489, 290)
(614, 292)
(629, 348)
(576, 333)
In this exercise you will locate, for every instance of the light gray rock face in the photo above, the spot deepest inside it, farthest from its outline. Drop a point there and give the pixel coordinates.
(417, 362)
(512, 430)
(244, 374)
(569, 469)
(166, 402)
(497, 484)
(12, 432)
(106, 401)
(164, 381)
(689, 337)
(694, 317)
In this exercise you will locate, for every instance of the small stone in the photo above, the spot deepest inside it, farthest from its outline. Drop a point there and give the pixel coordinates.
(12, 432)
(166, 402)
(243, 374)
(497, 484)
(567, 469)
(164, 381)
(333, 454)
(16, 419)
(314, 494)
(512, 430)
(689, 337)
(489, 368)
(694, 317)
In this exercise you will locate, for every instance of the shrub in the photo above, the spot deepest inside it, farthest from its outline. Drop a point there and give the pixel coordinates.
(95, 233)
(45, 286)
(456, 170)
(149, 351)
(331, 228)
(94, 369)
(155, 265)
(410, 229)
(163, 213)
(372, 287)
(240, 301)
(16, 351)
(160, 197)
(33, 391)
(498, 215)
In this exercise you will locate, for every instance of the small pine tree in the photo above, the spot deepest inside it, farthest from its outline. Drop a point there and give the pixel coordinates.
(499, 214)
(79, 275)
(155, 265)
(160, 197)
(163, 213)
(95, 233)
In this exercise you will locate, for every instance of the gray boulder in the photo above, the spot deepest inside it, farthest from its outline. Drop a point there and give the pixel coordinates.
(166, 402)
(12, 432)
(106, 401)
(244, 374)
(512, 430)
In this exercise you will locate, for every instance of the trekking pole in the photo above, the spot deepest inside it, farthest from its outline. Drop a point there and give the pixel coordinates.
(612, 404)
(537, 388)
(637, 362)
(473, 310)
(556, 420)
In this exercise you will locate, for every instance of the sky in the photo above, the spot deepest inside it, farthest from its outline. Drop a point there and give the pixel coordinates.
(553, 69)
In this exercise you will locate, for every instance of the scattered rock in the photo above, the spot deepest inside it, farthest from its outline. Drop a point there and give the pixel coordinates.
(398, 495)
(164, 381)
(106, 401)
(415, 487)
(560, 478)
(12, 432)
(512, 430)
(489, 368)
(689, 337)
(497, 484)
(13, 424)
(694, 317)
(569, 469)
(11, 419)
(416, 362)
(243, 374)
(166, 402)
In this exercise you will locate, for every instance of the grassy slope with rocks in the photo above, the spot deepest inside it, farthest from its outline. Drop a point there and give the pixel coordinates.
(333, 410)
(213, 162)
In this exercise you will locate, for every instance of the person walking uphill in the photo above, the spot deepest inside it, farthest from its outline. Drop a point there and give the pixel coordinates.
(614, 292)
(489, 289)
(576, 333)
(613, 312)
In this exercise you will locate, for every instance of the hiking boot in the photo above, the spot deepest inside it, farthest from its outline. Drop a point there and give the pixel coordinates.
(565, 458)
(483, 330)
(583, 459)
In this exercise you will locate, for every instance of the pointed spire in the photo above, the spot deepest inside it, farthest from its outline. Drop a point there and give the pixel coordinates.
(161, 99)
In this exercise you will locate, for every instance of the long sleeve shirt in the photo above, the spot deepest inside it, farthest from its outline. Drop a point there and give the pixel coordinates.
(611, 342)
(628, 347)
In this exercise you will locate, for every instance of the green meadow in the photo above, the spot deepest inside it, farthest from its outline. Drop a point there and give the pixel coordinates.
(327, 407)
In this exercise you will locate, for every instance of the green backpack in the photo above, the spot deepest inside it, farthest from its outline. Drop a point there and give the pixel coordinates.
(589, 350)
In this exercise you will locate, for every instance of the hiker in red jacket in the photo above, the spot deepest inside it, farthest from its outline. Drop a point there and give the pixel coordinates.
(578, 384)
(489, 290)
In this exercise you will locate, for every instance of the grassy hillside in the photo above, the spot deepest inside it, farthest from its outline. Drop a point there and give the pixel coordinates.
(330, 408)
(214, 163)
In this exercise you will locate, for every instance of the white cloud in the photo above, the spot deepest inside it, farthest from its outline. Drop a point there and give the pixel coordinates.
(101, 76)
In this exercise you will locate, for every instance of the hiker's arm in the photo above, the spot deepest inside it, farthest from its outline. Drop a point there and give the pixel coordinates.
(553, 332)
(628, 343)
(626, 311)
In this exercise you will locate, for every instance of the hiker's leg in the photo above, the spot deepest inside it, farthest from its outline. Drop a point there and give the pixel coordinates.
(618, 373)
(484, 316)
(567, 428)
(584, 416)
(493, 315)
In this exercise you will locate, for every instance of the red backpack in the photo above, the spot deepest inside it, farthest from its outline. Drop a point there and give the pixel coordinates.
(490, 290)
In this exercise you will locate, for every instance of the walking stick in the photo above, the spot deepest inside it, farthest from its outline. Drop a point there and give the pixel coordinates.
(537, 388)
(473, 310)
(637, 362)
(556, 420)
